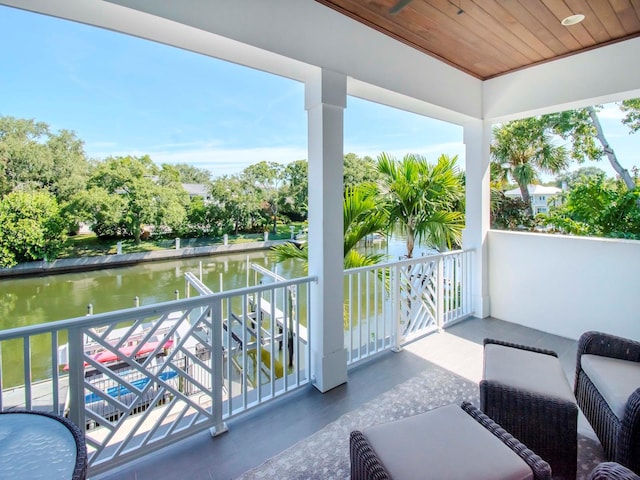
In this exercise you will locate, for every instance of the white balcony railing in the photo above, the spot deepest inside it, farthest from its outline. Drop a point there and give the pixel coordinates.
(389, 305)
(141, 378)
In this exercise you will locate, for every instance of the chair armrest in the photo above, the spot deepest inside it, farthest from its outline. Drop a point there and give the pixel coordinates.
(607, 345)
(521, 347)
(628, 449)
(541, 469)
(612, 471)
(365, 464)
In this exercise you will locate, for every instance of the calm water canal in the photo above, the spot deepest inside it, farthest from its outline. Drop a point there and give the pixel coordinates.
(34, 300)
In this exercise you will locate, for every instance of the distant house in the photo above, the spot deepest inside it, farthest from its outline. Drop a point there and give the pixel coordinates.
(541, 197)
(198, 190)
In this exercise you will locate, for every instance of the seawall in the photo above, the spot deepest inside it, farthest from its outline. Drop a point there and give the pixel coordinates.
(66, 265)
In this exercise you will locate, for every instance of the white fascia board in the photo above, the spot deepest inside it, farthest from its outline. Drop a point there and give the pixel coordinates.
(308, 32)
(602, 75)
(292, 38)
(370, 92)
(139, 24)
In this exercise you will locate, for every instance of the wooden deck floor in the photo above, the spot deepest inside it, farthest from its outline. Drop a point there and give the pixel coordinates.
(272, 428)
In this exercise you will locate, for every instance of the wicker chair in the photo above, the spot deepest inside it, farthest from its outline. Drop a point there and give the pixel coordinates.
(618, 432)
(366, 465)
(612, 471)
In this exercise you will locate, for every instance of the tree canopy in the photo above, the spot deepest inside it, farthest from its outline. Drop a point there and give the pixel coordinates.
(125, 193)
(361, 215)
(522, 150)
(31, 227)
(420, 199)
(190, 174)
(597, 206)
(33, 157)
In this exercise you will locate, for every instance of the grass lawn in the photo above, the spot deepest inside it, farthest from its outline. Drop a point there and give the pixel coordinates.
(87, 245)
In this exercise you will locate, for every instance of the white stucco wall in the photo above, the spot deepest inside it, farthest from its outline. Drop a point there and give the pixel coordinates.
(565, 285)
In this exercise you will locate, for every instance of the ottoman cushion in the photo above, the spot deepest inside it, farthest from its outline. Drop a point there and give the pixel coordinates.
(445, 443)
(526, 370)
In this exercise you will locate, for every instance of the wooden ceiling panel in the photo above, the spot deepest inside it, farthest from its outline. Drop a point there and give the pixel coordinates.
(579, 32)
(591, 23)
(494, 37)
(628, 16)
(536, 25)
(550, 20)
(608, 17)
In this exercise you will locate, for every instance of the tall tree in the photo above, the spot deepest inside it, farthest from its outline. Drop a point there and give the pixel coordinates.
(268, 178)
(580, 175)
(235, 203)
(420, 198)
(25, 156)
(133, 192)
(295, 193)
(132, 178)
(191, 174)
(361, 216)
(172, 200)
(583, 128)
(608, 150)
(32, 156)
(632, 114)
(522, 149)
(70, 168)
(102, 209)
(357, 170)
(31, 227)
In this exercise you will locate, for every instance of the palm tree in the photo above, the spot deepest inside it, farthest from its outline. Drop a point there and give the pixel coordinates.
(522, 149)
(421, 198)
(361, 217)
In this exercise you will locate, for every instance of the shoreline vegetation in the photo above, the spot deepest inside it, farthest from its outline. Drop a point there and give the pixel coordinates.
(87, 252)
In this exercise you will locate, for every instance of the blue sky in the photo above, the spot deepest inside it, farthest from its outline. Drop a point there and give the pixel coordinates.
(127, 96)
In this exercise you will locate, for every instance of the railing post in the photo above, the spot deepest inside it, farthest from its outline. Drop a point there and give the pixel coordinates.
(76, 377)
(440, 294)
(215, 339)
(396, 301)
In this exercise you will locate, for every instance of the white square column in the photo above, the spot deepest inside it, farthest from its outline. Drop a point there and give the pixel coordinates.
(477, 140)
(325, 101)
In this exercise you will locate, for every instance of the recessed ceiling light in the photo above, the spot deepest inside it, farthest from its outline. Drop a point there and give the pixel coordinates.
(572, 19)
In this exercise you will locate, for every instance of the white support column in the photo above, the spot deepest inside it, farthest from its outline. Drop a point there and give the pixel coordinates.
(325, 100)
(477, 139)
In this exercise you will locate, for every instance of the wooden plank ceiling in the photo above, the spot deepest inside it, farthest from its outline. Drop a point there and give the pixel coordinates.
(487, 38)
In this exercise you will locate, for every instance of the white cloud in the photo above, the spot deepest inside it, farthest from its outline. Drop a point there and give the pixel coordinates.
(611, 111)
(223, 161)
(432, 152)
(228, 161)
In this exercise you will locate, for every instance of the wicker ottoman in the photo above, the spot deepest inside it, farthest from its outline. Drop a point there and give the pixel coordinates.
(526, 391)
(449, 442)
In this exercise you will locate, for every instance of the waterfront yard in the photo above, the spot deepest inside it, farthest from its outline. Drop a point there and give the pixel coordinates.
(87, 245)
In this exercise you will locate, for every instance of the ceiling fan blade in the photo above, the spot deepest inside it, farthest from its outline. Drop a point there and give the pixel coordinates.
(399, 6)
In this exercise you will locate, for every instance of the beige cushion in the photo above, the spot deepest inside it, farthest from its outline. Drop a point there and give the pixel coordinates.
(526, 370)
(615, 379)
(445, 443)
